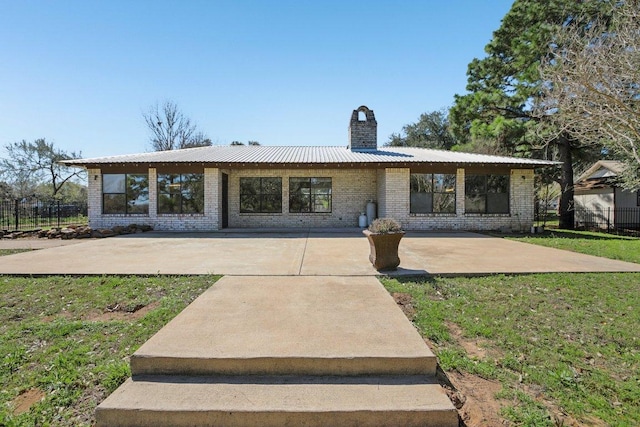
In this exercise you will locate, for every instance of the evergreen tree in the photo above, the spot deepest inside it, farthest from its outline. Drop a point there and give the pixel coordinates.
(503, 88)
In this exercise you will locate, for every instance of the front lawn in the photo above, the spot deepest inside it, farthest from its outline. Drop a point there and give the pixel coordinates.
(564, 348)
(65, 342)
(599, 244)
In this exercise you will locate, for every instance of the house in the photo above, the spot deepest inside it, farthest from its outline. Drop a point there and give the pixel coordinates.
(601, 203)
(212, 188)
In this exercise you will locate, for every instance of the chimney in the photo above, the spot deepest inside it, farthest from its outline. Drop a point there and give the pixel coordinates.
(363, 134)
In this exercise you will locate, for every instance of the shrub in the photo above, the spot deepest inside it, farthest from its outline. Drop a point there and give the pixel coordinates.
(385, 226)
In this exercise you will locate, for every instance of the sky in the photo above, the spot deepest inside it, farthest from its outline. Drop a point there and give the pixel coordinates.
(281, 72)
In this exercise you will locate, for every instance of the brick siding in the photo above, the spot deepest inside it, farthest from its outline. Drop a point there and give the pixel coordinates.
(351, 190)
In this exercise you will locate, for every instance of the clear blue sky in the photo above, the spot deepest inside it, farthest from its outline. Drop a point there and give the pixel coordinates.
(281, 72)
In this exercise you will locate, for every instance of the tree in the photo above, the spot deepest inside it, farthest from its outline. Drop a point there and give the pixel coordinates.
(592, 86)
(32, 163)
(431, 131)
(235, 143)
(6, 191)
(503, 87)
(199, 139)
(171, 129)
(71, 192)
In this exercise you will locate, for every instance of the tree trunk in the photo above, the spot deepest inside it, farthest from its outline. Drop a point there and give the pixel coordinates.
(566, 209)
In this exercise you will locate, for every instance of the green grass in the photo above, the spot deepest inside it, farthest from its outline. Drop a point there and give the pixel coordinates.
(12, 251)
(52, 340)
(568, 339)
(599, 244)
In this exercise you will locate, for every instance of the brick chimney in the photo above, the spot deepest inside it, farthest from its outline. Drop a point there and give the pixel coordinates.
(363, 134)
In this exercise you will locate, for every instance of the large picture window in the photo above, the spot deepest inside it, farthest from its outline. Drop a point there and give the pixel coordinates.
(261, 195)
(433, 193)
(125, 193)
(180, 193)
(308, 195)
(487, 194)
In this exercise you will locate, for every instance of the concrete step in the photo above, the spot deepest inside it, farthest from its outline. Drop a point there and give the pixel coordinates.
(278, 401)
(288, 325)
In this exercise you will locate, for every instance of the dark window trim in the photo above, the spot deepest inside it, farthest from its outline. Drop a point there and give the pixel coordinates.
(181, 193)
(311, 203)
(432, 193)
(261, 195)
(485, 194)
(127, 195)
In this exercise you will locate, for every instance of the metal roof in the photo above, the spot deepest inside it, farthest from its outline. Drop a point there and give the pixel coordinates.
(274, 156)
(602, 169)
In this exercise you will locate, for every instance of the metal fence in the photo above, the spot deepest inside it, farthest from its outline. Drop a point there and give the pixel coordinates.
(31, 214)
(608, 219)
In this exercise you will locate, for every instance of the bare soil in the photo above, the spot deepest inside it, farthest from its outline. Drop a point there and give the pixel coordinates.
(118, 312)
(473, 396)
(25, 400)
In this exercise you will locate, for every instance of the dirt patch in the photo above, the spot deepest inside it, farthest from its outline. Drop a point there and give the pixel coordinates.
(475, 347)
(118, 312)
(477, 395)
(405, 302)
(63, 315)
(473, 397)
(26, 400)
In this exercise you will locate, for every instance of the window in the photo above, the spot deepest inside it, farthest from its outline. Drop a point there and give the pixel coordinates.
(180, 193)
(261, 195)
(486, 194)
(309, 195)
(125, 193)
(433, 193)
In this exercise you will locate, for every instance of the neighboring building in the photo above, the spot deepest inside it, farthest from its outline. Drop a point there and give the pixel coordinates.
(601, 203)
(211, 188)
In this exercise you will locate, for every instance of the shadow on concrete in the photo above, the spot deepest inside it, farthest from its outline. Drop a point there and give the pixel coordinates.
(404, 272)
(324, 233)
(289, 379)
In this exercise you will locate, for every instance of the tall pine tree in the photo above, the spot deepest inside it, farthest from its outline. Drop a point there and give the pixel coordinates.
(503, 88)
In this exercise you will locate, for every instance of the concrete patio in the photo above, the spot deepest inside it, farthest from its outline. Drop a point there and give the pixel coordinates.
(299, 332)
(304, 252)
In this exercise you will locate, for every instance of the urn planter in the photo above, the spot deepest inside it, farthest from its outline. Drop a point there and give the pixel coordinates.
(384, 249)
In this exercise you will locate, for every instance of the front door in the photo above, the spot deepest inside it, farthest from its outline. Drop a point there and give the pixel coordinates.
(225, 200)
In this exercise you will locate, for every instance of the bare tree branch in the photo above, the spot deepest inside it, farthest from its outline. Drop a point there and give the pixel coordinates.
(171, 129)
(592, 86)
(32, 163)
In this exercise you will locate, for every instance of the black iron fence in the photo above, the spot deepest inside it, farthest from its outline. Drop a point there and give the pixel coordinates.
(608, 219)
(31, 214)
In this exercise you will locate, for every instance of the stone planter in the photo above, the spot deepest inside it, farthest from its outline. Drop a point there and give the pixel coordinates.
(384, 249)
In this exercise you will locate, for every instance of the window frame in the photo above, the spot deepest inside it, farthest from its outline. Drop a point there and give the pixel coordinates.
(262, 196)
(129, 201)
(181, 194)
(316, 192)
(437, 188)
(484, 195)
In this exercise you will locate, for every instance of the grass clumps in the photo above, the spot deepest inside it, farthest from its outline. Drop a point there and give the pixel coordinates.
(65, 342)
(557, 343)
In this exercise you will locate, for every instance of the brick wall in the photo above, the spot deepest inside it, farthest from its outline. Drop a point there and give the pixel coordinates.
(520, 218)
(394, 196)
(207, 221)
(351, 189)
(363, 134)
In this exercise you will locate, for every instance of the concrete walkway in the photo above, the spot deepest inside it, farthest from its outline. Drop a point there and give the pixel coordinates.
(307, 253)
(284, 351)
